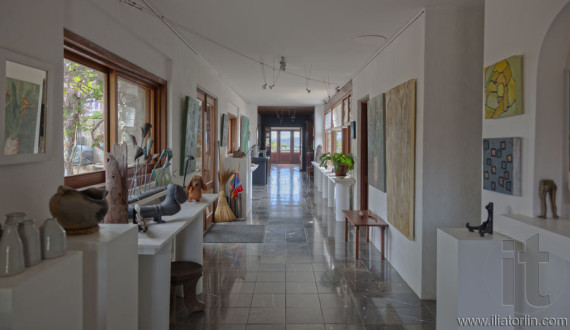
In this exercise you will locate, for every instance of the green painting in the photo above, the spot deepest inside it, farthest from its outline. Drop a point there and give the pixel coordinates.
(244, 134)
(503, 88)
(377, 143)
(22, 117)
(191, 134)
(225, 123)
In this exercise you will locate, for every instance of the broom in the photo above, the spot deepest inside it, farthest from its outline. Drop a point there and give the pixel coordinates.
(223, 211)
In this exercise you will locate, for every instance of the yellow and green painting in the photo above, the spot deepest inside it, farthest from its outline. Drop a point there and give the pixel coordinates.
(503, 88)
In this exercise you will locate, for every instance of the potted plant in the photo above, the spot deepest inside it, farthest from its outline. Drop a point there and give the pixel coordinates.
(342, 163)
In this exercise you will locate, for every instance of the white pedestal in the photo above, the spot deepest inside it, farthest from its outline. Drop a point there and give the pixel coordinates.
(330, 185)
(45, 296)
(325, 185)
(470, 277)
(110, 281)
(154, 249)
(342, 195)
(316, 174)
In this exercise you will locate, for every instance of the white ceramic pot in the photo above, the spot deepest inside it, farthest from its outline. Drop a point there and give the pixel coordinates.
(11, 251)
(30, 237)
(54, 241)
(15, 217)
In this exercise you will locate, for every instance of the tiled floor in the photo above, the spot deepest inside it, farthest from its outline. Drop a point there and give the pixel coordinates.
(304, 276)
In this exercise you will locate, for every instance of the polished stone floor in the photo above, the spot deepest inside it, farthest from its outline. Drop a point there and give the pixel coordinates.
(304, 276)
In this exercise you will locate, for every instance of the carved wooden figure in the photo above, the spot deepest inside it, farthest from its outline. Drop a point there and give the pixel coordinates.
(548, 187)
(116, 184)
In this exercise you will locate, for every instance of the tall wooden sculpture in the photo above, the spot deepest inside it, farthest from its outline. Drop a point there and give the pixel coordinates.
(116, 184)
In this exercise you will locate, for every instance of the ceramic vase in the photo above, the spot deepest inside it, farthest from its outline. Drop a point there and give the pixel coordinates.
(15, 217)
(11, 146)
(30, 237)
(53, 239)
(11, 251)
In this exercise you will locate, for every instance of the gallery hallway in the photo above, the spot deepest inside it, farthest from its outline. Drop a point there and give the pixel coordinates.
(304, 276)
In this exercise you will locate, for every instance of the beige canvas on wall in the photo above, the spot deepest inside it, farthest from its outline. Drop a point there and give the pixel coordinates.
(400, 156)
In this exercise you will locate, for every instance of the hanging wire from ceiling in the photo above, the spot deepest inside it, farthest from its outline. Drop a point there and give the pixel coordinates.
(264, 86)
(308, 78)
(172, 25)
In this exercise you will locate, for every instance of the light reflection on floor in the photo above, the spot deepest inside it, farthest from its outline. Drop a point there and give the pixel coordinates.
(304, 276)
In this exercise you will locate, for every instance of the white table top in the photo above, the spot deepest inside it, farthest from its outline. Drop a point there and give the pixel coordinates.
(343, 179)
(463, 234)
(11, 282)
(107, 233)
(159, 234)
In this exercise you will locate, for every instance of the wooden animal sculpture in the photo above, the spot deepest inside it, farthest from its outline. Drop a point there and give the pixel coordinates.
(547, 187)
(195, 187)
(79, 212)
(175, 195)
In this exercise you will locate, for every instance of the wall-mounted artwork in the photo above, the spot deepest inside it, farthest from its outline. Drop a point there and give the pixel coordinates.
(377, 142)
(225, 123)
(244, 139)
(400, 156)
(503, 88)
(502, 165)
(191, 134)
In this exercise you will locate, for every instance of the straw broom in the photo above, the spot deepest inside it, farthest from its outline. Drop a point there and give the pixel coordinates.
(223, 211)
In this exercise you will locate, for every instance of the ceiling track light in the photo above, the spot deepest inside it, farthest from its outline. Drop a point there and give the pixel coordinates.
(308, 78)
(282, 64)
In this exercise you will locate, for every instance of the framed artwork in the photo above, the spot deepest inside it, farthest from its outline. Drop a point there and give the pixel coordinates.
(191, 134)
(376, 112)
(244, 138)
(503, 88)
(502, 165)
(400, 156)
(26, 130)
(225, 123)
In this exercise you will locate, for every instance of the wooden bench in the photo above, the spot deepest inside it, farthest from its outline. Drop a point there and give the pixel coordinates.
(365, 220)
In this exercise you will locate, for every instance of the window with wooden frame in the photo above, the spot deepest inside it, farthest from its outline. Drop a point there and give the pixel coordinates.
(106, 99)
(337, 126)
(232, 133)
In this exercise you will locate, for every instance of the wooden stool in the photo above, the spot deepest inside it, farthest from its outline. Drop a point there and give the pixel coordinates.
(187, 274)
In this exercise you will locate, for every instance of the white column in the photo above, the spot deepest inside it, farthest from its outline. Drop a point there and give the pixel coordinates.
(110, 276)
(470, 277)
(342, 196)
(317, 173)
(154, 289)
(325, 185)
(330, 183)
(189, 244)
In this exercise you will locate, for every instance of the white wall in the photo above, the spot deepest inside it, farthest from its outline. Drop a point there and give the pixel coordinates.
(128, 33)
(399, 62)
(515, 36)
(28, 187)
(319, 125)
(442, 50)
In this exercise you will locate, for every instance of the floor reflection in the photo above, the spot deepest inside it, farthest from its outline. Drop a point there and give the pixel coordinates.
(304, 274)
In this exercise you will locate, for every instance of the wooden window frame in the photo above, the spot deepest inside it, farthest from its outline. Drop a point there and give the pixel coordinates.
(85, 52)
(232, 134)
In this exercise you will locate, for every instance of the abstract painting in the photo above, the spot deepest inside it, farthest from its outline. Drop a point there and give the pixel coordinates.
(503, 88)
(377, 143)
(191, 134)
(400, 156)
(225, 122)
(244, 134)
(502, 165)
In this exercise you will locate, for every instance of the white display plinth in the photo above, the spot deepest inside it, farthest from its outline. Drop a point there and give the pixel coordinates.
(316, 174)
(45, 296)
(110, 276)
(330, 187)
(325, 183)
(469, 277)
(342, 195)
(154, 249)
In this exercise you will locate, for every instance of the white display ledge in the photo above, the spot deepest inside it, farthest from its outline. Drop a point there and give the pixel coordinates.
(254, 167)
(45, 296)
(554, 234)
(159, 235)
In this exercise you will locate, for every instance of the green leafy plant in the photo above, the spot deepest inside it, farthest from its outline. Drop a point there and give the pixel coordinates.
(337, 159)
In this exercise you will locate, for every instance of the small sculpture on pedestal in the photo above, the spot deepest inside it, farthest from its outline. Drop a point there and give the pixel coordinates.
(485, 227)
(175, 195)
(547, 187)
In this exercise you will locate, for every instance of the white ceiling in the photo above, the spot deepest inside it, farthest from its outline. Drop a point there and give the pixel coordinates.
(317, 33)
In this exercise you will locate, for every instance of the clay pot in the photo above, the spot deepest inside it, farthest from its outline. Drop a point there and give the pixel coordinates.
(341, 170)
(79, 212)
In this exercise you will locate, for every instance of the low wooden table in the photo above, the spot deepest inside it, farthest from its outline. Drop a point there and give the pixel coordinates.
(367, 220)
